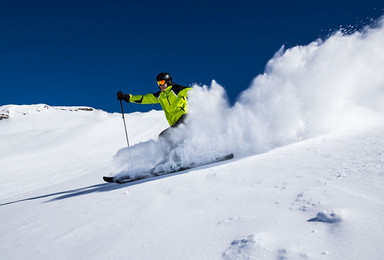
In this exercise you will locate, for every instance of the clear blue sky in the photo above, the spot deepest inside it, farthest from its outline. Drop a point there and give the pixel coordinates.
(66, 52)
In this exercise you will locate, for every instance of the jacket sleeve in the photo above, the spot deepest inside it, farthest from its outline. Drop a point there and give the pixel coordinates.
(181, 91)
(152, 98)
(184, 92)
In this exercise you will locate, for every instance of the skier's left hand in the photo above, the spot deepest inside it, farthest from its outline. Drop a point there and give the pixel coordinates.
(121, 96)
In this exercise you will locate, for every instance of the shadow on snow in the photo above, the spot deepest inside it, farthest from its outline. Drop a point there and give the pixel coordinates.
(102, 187)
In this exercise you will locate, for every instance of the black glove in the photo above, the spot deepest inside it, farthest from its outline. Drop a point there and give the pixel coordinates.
(121, 96)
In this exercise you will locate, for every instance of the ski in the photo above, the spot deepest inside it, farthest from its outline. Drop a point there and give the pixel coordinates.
(126, 179)
(109, 178)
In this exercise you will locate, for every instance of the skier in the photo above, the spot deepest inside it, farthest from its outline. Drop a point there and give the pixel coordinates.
(172, 98)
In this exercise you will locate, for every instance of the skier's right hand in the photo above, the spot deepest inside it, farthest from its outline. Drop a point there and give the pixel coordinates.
(121, 96)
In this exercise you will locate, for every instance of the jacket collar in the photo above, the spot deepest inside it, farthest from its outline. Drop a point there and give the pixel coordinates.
(167, 89)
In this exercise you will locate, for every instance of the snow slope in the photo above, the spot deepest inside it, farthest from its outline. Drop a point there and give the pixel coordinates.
(306, 181)
(54, 204)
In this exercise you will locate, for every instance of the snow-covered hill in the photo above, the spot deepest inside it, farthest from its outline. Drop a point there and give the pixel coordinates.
(306, 182)
(54, 204)
(43, 145)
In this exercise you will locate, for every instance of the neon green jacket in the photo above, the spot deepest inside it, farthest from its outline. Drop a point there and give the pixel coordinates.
(173, 100)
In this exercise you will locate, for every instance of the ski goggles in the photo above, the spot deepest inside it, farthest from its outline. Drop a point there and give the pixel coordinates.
(161, 82)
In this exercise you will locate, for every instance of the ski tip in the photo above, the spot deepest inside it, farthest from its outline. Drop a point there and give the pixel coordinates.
(108, 179)
(225, 157)
(230, 156)
(117, 180)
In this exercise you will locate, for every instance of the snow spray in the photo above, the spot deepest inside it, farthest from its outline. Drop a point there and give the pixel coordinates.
(330, 85)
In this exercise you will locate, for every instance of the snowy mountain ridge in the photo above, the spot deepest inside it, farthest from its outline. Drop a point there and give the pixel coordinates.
(15, 110)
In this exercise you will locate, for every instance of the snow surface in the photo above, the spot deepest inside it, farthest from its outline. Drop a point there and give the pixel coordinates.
(306, 182)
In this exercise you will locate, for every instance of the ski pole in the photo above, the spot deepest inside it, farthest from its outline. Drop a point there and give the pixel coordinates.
(125, 126)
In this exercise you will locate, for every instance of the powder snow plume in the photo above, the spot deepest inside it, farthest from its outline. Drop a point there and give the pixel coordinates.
(327, 86)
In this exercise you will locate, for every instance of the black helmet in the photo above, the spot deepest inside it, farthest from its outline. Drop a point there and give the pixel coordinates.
(164, 76)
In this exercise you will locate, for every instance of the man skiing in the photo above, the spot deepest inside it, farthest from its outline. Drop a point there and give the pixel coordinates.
(172, 98)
